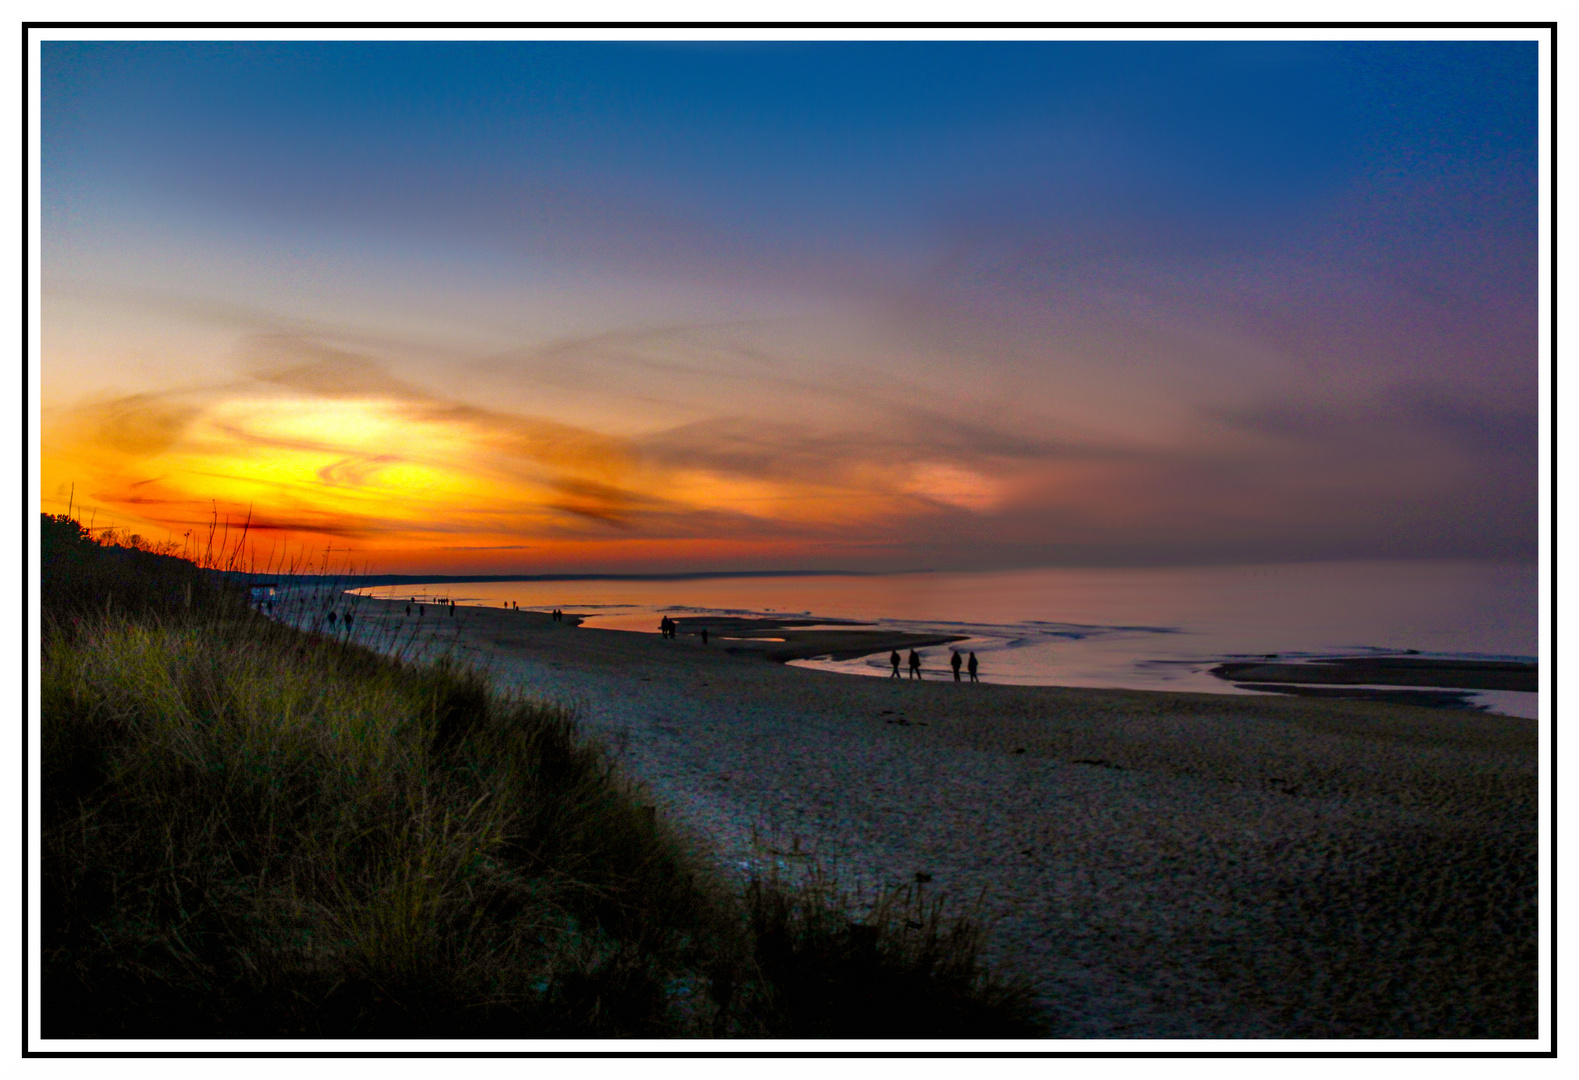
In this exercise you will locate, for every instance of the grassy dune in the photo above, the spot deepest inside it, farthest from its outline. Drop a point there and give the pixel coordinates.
(251, 831)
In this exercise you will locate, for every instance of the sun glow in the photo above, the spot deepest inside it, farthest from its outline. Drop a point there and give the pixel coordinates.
(402, 473)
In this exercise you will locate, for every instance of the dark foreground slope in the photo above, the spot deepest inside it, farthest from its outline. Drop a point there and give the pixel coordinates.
(251, 831)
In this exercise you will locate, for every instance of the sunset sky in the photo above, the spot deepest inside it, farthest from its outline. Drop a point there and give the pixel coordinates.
(528, 307)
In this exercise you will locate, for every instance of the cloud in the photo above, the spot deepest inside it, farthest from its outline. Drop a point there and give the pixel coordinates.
(770, 442)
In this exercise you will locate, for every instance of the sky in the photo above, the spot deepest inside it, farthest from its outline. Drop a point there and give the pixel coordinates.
(538, 307)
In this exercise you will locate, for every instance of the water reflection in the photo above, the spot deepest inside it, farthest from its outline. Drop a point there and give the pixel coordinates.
(1145, 628)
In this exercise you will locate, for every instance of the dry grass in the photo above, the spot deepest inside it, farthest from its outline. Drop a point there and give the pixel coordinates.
(250, 830)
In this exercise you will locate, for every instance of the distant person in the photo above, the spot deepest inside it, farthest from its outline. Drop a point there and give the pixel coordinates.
(420, 609)
(954, 662)
(330, 617)
(893, 658)
(663, 626)
(915, 664)
(408, 611)
(348, 622)
(972, 668)
(704, 635)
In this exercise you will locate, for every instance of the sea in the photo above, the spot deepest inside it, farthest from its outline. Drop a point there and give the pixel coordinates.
(1150, 628)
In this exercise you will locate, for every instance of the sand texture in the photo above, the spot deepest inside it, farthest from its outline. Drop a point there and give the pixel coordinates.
(1163, 865)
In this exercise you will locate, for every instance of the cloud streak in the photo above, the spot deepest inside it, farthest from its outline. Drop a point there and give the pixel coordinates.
(320, 441)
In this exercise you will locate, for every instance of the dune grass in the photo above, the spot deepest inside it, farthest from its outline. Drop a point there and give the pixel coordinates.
(254, 831)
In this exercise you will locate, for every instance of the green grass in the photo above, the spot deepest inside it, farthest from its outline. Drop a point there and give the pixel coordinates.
(251, 831)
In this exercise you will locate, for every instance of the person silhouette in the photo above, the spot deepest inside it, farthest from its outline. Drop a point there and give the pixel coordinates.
(663, 626)
(915, 664)
(954, 662)
(893, 658)
(408, 611)
(704, 635)
(972, 667)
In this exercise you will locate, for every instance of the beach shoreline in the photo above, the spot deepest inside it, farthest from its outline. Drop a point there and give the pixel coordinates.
(1162, 864)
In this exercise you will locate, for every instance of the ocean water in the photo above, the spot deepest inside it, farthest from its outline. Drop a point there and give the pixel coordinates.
(1158, 628)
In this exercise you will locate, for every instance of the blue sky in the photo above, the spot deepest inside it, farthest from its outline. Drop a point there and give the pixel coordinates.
(997, 303)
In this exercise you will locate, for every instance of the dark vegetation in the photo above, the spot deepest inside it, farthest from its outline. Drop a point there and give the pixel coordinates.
(251, 830)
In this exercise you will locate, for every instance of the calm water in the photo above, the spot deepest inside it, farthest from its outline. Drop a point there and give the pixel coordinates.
(1150, 628)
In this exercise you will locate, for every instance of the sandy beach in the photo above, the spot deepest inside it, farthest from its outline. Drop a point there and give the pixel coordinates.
(1162, 865)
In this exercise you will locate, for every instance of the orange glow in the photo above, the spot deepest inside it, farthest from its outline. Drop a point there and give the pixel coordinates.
(405, 482)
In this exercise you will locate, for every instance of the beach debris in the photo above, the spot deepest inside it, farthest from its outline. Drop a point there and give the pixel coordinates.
(1019, 749)
(1102, 763)
(922, 878)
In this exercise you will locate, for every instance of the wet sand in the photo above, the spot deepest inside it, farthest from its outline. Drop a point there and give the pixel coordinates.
(1162, 864)
(1390, 671)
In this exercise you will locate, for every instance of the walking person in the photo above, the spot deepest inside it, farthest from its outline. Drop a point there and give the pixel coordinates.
(704, 635)
(972, 668)
(893, 658)
(954, 662)
(915, 664)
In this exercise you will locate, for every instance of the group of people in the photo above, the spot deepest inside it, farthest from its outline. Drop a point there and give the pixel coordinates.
(557, 615)
(669, 628)
(423, 608)
(955, 662)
